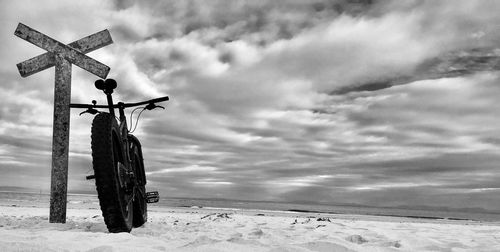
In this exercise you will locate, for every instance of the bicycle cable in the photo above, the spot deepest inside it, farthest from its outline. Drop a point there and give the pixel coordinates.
(136, 120)
(131, 116)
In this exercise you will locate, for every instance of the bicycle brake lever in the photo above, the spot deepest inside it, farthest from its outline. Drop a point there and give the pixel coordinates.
(90, 111)
(152, 106)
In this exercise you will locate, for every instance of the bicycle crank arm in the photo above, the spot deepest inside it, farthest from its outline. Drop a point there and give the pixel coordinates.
(152, 197)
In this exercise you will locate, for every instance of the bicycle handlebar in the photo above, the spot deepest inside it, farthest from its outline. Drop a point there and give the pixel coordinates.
(120, 104)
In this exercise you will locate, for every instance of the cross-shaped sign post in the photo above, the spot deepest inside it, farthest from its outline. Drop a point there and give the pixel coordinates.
(61, 56)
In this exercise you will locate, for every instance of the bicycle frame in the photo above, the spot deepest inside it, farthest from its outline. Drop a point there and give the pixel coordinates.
(124, 132)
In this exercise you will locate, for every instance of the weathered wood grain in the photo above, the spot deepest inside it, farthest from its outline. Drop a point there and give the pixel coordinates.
(55, 47)
(47, 60)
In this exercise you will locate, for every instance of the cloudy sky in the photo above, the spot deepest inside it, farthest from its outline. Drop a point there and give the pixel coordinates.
(382, 103)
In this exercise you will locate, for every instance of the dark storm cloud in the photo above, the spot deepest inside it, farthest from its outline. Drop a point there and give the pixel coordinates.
(268, 21)
(451, 64)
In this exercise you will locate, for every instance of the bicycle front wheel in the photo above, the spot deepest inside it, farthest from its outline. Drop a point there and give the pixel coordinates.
(110, 174)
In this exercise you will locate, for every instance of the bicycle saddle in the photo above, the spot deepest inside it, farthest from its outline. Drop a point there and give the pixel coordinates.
(105, 85)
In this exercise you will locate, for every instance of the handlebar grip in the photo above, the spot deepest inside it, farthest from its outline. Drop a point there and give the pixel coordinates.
(87, 106)
(159, 99)
(74, 105)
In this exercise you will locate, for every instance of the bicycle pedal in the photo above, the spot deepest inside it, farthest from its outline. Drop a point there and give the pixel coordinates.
(152, 197)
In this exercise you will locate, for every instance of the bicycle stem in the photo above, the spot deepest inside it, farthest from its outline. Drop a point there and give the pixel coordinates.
(121, 107)
(110, 101)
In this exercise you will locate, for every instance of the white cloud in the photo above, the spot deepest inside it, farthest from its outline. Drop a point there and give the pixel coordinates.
(298, 181)
(212, 183)
(382, 186)
(187, 169)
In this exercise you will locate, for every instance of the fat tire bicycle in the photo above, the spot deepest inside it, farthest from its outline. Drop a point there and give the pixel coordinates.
(117, 161)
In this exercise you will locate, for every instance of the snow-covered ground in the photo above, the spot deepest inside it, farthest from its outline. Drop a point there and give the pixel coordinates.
(26, 228)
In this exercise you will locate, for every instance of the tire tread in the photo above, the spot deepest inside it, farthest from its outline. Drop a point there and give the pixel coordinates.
(105, 178)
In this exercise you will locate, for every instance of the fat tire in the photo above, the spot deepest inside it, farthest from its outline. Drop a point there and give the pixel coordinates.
(105, 149)
(140, 207)
(140, 204)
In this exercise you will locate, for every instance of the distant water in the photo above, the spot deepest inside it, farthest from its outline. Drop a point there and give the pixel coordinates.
(333, 209)
(43, 200)
(86, 200)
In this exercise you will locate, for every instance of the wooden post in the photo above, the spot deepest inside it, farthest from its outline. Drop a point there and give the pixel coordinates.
(61, 56)
(60, 140)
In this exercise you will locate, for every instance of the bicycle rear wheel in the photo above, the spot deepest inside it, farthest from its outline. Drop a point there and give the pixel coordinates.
(140, 204)
(110, 170)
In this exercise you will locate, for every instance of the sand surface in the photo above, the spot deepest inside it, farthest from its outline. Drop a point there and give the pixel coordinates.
(26, 228)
